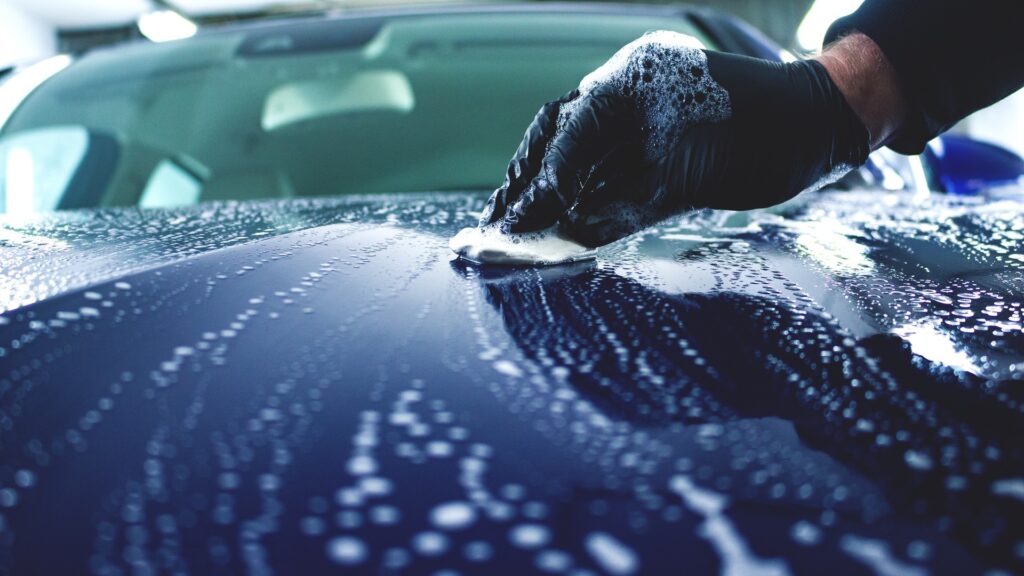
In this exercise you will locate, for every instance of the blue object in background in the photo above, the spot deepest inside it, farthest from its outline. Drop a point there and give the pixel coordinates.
(962, 165)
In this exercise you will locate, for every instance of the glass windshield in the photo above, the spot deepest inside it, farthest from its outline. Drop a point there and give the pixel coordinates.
(317, 107)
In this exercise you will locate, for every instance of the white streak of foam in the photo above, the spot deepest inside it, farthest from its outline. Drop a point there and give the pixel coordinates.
(508, 368)
(875, 554)
(1012, 487)
(611, 554)
(737, 558)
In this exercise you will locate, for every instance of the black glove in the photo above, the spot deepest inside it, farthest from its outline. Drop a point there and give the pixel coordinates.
(664, 127)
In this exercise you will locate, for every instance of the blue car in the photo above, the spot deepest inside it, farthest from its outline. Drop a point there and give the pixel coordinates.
(233, 339)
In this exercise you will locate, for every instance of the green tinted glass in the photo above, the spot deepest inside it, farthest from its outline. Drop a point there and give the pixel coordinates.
(433, 102)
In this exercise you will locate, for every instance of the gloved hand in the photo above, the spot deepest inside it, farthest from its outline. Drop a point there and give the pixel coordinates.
(664, 127)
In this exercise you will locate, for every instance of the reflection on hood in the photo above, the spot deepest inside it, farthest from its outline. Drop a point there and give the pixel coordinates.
(936, 440)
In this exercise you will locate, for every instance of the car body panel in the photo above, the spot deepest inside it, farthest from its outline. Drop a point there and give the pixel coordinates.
(289, 386)
(962, 165)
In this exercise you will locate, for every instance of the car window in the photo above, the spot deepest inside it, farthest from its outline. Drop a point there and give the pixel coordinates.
(40, 164)
(328, 107)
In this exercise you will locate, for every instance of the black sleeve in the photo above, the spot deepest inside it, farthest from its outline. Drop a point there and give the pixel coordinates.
(952, 56)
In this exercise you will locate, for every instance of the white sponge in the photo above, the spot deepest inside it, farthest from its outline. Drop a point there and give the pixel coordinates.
(490, 246)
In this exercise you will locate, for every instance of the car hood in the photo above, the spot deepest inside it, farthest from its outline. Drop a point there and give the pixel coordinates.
(290, 385)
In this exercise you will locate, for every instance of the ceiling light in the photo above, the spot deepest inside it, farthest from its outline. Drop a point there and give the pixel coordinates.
(165, 25)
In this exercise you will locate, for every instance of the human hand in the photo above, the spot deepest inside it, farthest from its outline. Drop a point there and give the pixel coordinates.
(664, 127)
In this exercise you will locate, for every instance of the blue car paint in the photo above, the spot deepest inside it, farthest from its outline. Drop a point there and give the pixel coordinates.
(309, 386)
(965, 166)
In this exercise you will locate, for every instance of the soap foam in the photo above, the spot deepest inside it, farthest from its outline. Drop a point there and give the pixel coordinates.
(489, 245)
(666, 73)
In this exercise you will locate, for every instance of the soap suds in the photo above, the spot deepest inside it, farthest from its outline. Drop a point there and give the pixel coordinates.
(666, 73)
(489, 245)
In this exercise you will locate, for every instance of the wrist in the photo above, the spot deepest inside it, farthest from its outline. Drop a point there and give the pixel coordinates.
(869, 83)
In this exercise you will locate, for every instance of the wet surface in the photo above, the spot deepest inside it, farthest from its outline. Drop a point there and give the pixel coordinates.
(292, 387)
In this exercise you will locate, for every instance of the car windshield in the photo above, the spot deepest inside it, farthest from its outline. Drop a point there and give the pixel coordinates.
(325, 106)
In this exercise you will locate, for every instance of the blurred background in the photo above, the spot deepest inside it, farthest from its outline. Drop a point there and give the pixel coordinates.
(32, 30)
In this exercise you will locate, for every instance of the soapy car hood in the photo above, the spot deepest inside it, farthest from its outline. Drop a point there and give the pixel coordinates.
(291, 386)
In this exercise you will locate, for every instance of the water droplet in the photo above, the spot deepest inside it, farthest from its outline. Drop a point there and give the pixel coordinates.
(529, 535)
(346, 550)
(453, 516)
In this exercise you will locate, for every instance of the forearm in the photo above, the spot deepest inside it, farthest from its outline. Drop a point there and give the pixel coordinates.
(950, 57)
(869, 83)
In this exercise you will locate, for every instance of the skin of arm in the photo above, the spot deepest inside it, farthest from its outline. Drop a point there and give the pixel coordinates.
(869, 83)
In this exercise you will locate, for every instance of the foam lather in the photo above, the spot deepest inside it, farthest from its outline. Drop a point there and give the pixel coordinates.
(666, 74)
(489, 245)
